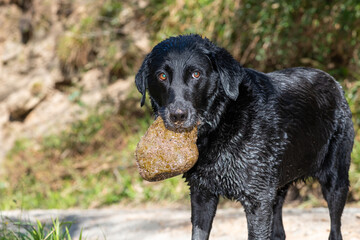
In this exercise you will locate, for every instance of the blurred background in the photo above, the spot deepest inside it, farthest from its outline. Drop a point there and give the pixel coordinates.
(70, 115)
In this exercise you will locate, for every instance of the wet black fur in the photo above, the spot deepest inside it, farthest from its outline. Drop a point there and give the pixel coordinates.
(258, 132)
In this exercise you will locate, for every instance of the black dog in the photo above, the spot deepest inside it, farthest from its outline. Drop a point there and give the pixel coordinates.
(257, 132)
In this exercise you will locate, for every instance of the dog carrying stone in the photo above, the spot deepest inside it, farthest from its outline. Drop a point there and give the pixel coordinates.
(257, 133)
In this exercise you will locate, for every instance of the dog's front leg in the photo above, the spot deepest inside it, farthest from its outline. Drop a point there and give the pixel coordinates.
(203, 209)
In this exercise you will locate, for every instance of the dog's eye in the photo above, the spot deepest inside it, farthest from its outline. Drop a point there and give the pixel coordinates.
(196, 74)
(162, 76)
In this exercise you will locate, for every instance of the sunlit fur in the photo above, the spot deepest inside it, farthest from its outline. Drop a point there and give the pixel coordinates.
(258, 132)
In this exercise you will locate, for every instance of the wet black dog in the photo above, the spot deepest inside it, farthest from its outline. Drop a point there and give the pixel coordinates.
(257, 134)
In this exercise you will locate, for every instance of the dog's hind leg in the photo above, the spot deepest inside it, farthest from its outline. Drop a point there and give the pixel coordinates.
(278, 231)
(335, 196)
(334, 180)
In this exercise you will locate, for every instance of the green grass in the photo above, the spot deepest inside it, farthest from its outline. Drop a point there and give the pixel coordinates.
(15, 230)
(91, 164)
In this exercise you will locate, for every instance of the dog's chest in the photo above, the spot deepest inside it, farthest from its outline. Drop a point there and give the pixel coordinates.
(232, 171)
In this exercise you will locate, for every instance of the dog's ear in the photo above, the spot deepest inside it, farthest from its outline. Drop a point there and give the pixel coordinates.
(230, 71)
(141, 78)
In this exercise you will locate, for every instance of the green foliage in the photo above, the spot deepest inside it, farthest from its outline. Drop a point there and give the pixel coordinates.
(110, 11)
(269, 35)
(353, 98)
(355, 173)
(28, 231)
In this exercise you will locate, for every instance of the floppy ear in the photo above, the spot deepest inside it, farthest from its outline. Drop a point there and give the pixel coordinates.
(141, 78)
(230, 71)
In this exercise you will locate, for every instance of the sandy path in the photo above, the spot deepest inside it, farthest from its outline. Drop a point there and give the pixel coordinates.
(174, 223)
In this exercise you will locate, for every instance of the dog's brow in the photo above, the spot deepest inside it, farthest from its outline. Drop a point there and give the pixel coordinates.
(190, 56)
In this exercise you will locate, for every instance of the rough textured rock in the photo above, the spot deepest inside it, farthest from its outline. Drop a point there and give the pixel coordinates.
(61, 110)
(118, 91)
(93, 80)
(35, 94)
(162, 153)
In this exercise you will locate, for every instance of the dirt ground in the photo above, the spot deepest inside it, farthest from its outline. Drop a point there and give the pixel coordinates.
(155, 223)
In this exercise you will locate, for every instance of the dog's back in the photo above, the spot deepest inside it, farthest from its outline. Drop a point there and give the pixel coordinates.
(316, 118)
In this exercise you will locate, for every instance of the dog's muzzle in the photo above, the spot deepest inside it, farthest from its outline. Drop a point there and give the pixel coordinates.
(180, 115)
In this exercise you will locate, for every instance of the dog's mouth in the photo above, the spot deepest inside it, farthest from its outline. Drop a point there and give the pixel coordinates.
(179, 125)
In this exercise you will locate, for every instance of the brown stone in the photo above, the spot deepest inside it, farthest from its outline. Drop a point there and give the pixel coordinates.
(162, 153)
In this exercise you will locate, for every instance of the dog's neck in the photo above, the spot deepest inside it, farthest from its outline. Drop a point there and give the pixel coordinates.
(223, 111)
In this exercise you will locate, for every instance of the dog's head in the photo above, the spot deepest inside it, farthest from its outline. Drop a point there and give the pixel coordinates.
(182, 73)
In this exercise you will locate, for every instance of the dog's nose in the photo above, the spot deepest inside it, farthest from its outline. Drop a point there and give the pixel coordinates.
(179, 115)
